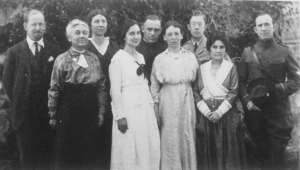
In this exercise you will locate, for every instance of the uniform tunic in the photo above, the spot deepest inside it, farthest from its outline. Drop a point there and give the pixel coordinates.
(271, 127)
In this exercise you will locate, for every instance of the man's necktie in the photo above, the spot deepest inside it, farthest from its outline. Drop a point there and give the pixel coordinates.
(36, 46)
(195, 47)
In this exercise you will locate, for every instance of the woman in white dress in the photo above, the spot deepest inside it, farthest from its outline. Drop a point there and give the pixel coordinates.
(172, 74)
(135, 134)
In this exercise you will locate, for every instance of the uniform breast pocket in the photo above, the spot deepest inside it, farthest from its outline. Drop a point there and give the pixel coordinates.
(277, 68)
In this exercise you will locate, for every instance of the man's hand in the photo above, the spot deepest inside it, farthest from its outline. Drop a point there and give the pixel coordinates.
(122, 125)
(251, 106)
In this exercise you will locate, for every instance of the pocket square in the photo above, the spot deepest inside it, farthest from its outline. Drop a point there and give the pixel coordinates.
(50, 59)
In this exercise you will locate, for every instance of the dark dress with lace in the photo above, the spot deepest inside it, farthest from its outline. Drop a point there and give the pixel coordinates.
(218, 145)
(103, 136)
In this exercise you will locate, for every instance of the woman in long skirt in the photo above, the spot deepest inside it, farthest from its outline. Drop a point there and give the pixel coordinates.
(76, 101)
(173, 72)
(135, 135)
(218, 146)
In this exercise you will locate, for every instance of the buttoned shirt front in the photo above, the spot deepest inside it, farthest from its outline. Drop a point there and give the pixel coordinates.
(31, 44)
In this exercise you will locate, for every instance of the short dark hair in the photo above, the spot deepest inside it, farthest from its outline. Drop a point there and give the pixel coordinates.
(95, 12)
(30, 12)
(126, 25)
(221, 36)
(261, 14)
(153, 17)
(174, 24)
(197, 12)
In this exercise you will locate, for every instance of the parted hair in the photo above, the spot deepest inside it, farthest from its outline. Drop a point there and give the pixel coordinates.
(30, 12)
(72, 24)
(95, 12)
(221, 36)
(174, 24)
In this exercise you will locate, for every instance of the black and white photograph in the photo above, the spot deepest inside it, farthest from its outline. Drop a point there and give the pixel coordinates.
(149, 85)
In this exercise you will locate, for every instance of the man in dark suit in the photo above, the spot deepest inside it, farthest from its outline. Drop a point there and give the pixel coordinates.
(26, 79)
(267, 111)
(197, 43)
(151, 45)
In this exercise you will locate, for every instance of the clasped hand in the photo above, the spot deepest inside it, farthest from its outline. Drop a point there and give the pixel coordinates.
(214, 116)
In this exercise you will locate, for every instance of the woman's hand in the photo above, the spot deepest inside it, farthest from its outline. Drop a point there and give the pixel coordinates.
(122, 124)
(214, 117)
(52, 120)
(100, 120)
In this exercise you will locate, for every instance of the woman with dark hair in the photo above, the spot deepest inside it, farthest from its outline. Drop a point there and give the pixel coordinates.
(104, 48)
(172, 73)
(215, 91)
(76, 101)
(99, 43)
(135, 134)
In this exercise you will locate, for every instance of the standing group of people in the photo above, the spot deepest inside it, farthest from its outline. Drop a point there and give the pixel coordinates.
(160, 105)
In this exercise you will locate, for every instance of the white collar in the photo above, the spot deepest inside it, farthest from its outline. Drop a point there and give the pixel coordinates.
(103, 47)
(31, 45)
(31, 42)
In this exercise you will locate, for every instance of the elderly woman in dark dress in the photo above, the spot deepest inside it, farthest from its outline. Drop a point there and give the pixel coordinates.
(218, 147)
(76, 100)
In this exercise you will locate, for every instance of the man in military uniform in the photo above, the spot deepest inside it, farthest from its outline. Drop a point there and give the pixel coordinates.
(269, 71)
(151, 45)
(197, 43)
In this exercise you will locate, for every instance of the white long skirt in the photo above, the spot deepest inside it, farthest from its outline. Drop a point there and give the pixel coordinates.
(139, 147)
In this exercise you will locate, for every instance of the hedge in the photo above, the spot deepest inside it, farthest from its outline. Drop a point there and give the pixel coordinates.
(236, 18)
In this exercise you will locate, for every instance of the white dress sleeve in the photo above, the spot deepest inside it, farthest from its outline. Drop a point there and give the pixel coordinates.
(115, 76)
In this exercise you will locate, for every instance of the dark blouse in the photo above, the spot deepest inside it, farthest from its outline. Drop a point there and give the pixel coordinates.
(67, 70)
(106, 58)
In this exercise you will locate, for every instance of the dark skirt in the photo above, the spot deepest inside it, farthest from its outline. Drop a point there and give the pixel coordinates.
(218, 144)
(76, 128)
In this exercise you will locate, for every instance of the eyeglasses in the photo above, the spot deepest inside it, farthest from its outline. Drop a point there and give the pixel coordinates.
(141, 69)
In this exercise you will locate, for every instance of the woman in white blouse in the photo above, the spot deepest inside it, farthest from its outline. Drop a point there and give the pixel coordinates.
(135, 134)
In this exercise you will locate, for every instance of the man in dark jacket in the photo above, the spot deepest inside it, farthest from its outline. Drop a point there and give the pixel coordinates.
(26, 79)
(268, 75)
(197, 43)
(151, 45)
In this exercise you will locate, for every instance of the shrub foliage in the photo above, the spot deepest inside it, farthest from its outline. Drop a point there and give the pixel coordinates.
(236, 18)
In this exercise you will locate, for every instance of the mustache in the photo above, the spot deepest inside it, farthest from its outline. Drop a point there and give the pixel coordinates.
(38, 31)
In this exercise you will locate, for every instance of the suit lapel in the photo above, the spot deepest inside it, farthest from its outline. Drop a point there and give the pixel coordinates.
(27, 56)
(45, 54)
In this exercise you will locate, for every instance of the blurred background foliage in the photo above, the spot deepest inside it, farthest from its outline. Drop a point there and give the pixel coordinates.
(236, 18)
